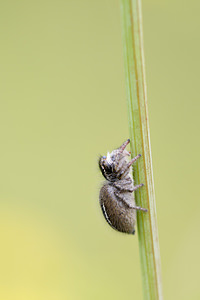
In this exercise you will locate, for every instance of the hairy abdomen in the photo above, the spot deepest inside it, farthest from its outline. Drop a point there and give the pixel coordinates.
(116, 212)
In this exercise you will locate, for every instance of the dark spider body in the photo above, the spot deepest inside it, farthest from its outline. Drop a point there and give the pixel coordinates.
(116, 195)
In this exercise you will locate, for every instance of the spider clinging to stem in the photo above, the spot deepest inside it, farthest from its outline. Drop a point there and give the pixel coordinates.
(116, 195)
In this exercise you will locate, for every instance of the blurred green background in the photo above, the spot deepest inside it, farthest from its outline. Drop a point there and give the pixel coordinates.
(62, 104)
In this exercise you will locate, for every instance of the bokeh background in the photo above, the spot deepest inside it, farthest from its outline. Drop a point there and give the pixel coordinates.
(62, 104)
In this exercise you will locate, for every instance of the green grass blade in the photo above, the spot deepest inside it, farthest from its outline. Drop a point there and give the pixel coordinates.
(140, 143)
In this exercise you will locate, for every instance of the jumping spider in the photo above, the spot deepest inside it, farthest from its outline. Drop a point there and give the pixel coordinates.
(116, 195)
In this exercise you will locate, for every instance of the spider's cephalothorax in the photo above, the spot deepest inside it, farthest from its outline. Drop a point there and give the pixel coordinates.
(116, 195)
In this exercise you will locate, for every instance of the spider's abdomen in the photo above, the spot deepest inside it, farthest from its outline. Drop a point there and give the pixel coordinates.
(116, 212)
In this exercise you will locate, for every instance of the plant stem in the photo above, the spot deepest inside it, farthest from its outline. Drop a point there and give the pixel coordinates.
(140, 143)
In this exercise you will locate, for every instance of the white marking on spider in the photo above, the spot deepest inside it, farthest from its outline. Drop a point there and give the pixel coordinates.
(105, 214)
(109, 160)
